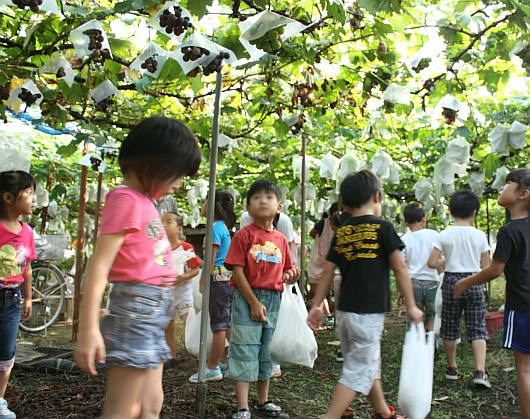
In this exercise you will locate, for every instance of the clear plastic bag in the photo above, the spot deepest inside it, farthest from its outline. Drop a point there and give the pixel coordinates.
(196, 293)
(154, 52)
(104, 90)
(397, 94)
(293, 342)
(16, 102)
(55, 65)
(517, 134)
(81, 40)
(185, 14)
(256, 26)
(499, 140)
(46, 6)
(416, 378)
(328, 166)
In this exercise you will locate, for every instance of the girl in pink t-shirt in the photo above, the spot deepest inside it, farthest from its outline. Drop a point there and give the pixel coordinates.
(134, 254)
(17, 250)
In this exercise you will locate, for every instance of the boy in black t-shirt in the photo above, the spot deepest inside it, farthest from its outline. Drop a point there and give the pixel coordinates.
(365, 247)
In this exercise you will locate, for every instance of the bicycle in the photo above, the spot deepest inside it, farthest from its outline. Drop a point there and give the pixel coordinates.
(48, 295)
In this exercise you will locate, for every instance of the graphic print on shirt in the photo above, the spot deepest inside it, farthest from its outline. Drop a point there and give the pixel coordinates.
(12, 261)
(267, 252)
(155, 230)
(358, 241)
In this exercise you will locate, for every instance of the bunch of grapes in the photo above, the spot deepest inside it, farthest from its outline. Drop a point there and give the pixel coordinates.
(60, 73)
(449, 115)
(27, 97)
(104, 106)
(216, 64)
(388, 107)
(270, 41)
(32, 4)
(110, 156)
(356, 22)
(150, 64)
(95, 162)
(95, 42)
(194, 72)
(524, 54)
(174, 22)
(193, 53)
(424, 63)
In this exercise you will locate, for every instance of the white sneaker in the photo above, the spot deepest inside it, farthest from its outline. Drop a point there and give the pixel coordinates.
(5, 413)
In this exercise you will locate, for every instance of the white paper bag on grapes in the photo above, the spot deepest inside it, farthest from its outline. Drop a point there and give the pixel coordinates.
(104, 90)
(46, 6)
(499, 140)
(81, 40)
(184, 13)
(92, 159)
(201, 188)
(328, 166)
(15, 102)
(197, 40)
(55, 65)
(449, 102)
(443, 172)
(522, 44)
(423, 189)
(348, 163)
(476, 182)
(297, 167)
(381, 163)
(517, 134)
(285, 192)
(397, 94)
(255, 27)
(500, 178)
(226, 141)
(393, 177)
(291, 119)
(152, 50)
(458, 151)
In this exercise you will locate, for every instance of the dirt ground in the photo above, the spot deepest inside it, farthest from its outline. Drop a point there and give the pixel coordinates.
(302, 392)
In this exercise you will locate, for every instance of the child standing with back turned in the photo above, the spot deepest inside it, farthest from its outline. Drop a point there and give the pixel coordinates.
(512, 255)
(134, 254)
(260, 260)
(466, 251)
(365, 247)
(17, 197)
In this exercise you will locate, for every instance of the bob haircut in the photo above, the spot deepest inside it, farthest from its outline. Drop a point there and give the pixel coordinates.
(14, 182)
(413, 213)
(357, 188)
(159, 150)
(263, 185)
(463, 203)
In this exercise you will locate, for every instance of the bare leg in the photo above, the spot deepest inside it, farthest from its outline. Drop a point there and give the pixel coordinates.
(170, 338)
(377, 399)
(153, 395)
(479, 352)
(4, 378)
(225, 351)
(263, 391)
(125, 392)
(218, 347)
(185, 317)
(242, 394)
(342, 398)
(430, 325)
(450, 352)
(522, 365)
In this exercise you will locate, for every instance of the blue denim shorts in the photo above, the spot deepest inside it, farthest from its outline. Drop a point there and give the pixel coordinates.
(220, 304)
(134, 330)
(9, 319)
(249, 350)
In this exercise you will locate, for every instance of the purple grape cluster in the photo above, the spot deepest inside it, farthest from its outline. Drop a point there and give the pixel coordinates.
(193, 53)
(95, 42)
(60, 73)
(174, 22)
(150, 64)
(95, 162)
(27, 97)
(104, 106)
(216, 65)
(33, 5)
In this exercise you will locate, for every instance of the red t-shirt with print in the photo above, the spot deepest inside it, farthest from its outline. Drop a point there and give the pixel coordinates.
(264, 255)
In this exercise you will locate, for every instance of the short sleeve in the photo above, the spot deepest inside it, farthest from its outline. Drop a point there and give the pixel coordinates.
(437, 243)
(218, 233)
(333, 256)
(120, 213)
(504, 246)
(238, 249)
(194, 261)
(390, 239)
(485, 245)
(245, 220)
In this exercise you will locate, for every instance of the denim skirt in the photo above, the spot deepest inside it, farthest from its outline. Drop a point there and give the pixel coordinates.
(9, 319)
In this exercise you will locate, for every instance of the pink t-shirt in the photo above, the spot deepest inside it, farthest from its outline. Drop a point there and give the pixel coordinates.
(145, 255)
(264, 254)
(16, 251)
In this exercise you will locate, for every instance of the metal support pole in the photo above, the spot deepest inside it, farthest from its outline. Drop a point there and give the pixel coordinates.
(202, 387)
(303, 208)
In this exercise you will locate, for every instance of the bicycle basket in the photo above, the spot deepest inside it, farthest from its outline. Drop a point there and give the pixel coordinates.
(51, 247)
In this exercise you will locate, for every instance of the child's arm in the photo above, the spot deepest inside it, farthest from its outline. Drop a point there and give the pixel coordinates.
(187, 276)
(435, 259)
(401, 271)
(493, 271)
(316, 314)
(27, 293)
(484, 260)
(90, 343)
(257, 310)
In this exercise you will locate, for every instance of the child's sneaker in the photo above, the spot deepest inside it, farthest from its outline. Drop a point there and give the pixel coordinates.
(339, 357)
(242, 414)
(451, 373)
(223, 367)
(268, 410)
(5, 413)
(393, 415)
(481, 379)
(211, 375)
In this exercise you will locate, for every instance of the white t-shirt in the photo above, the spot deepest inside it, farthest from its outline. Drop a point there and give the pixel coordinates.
(418, 247)
(285, 226)
(462, 247)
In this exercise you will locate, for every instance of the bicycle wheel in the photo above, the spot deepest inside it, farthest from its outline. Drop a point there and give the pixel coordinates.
(48, 297)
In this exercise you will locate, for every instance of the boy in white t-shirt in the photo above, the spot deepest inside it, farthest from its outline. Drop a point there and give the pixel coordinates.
(418, 246)
(466, 251)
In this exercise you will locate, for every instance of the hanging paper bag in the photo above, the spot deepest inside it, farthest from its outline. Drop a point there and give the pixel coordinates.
(415, 383)
(517, 134)
(61, 68)
(293, 342)
(499, 140)
(192, 335)
(328, 166)
(151, 60)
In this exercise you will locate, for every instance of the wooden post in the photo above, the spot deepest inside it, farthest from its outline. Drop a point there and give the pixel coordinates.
(98, 206)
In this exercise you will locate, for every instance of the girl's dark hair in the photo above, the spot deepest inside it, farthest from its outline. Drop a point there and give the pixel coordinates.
(463, 203)
(413, 213)
(159, 150)
(335, 218)
(14, 182)
(224, 208)
(357, 188)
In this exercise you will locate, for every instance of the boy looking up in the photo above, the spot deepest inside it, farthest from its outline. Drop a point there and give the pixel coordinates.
(365, 247)
(465, 251)
(260, 261)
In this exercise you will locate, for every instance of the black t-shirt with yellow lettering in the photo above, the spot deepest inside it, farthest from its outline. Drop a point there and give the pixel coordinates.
(361, 248)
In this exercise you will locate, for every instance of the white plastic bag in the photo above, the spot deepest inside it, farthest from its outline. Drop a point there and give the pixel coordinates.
(193, 334)
(415, 382)
(196, 293)
(293, 342)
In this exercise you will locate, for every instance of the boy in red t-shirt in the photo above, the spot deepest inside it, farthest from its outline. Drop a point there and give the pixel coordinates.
(187, 266)
(260, 260)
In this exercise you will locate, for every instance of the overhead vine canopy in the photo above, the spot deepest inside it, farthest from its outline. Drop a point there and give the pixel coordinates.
(392, 82)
